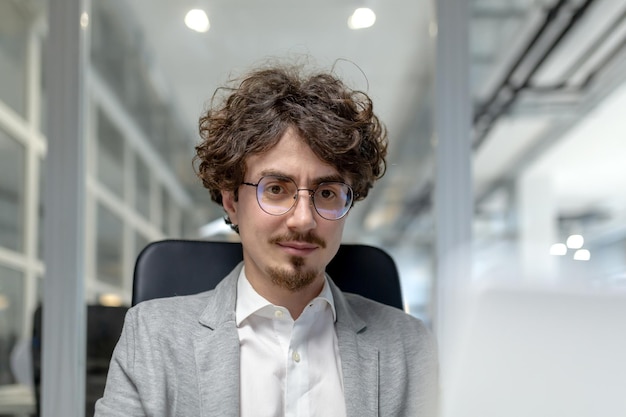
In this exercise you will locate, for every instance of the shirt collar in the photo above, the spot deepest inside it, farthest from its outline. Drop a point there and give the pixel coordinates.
(250, 302)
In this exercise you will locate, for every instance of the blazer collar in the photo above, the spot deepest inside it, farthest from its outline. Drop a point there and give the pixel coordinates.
(221, 303)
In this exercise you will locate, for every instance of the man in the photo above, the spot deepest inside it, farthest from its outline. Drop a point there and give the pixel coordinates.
(286, 155)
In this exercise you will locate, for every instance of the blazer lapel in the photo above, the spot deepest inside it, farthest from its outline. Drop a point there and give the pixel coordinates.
(359, 361)
(216, 349)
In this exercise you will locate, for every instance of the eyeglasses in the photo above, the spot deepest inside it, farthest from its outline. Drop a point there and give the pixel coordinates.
(277, 195)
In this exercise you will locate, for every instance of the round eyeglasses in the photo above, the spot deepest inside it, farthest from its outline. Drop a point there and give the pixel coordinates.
(277, 195)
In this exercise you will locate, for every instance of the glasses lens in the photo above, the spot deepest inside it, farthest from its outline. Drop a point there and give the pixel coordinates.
(276, 195)
(332, 200)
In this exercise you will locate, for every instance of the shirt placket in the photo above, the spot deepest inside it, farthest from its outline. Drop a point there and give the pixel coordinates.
(297, 393)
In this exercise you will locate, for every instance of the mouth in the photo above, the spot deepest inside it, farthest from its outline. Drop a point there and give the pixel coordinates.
(297, 248)
(299, 245)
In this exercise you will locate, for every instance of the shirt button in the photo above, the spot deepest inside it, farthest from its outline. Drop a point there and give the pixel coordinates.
(296, 357)
(278, 314)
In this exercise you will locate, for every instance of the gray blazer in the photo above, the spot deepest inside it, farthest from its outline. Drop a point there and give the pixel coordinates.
(180, 357)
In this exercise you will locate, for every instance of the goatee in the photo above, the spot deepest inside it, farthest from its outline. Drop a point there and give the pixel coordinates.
(294, 279)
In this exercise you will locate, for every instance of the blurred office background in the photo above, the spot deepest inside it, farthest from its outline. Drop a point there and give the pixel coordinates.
(546, 140)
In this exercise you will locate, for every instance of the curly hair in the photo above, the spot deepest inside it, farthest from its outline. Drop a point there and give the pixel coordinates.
(337, 123)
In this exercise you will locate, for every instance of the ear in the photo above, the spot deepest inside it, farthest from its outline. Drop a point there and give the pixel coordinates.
(230, 205)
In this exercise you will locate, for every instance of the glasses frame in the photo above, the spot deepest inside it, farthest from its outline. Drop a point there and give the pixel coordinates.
(311, 192)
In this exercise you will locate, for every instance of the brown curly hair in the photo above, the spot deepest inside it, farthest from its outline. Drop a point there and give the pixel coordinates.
(336, 122)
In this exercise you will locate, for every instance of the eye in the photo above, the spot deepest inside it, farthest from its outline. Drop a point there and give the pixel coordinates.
(326, 193)
(274, 189)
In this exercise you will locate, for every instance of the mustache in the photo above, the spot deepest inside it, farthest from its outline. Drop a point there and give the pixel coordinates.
(309, 237)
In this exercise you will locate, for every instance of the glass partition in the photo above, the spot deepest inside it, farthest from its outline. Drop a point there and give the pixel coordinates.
(14, 32)
(548, 139)
(142, 179)
(109, 252)
(110, 155)
(12, 189)
(11, 319)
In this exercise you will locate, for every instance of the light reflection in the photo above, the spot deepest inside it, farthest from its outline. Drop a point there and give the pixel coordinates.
(110, 300)
(84, 20)
(5, 303)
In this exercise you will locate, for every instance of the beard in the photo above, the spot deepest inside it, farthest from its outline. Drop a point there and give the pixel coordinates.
(298, 276)
(293, 279)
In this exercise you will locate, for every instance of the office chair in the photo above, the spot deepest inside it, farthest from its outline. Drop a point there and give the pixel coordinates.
(182, 267)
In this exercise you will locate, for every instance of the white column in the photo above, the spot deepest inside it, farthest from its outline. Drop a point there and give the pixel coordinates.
(63, 344)
(453, 190)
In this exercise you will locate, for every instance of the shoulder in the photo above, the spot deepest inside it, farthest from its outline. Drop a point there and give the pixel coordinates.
(390, 324)
(374, 312)
(188, 308)
(166, 315)
(405, 347)
(172, 307)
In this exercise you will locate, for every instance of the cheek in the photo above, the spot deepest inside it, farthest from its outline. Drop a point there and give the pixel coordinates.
(254, 221)
(333, 233)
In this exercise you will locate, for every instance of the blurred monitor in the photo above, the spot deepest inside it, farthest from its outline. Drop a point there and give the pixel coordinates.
(104, 326)
(541, 352)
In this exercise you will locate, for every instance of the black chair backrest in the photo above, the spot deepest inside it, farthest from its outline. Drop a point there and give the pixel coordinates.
(182, 267)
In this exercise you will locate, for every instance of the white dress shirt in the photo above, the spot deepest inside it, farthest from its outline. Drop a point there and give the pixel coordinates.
(288, 368)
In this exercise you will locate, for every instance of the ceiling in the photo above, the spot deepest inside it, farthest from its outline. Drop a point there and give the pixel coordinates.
(533, 73)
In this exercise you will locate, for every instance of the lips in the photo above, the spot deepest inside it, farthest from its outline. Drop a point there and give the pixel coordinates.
(298, 245)
(297, 248)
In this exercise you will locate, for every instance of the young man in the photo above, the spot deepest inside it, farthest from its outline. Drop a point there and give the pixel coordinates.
(286, 155)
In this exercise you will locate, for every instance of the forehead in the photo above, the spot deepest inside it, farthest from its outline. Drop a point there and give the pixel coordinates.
(291, 156)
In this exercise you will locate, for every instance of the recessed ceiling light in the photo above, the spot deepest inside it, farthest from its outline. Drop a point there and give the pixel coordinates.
(582, 255)
(558, 249)
(575, 241)
(361, 18)
(197, 19)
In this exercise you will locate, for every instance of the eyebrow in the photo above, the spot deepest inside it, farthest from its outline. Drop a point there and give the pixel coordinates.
(316, 181)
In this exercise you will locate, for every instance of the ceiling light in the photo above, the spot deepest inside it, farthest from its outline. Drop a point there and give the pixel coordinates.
(197, 19)
(558, 249)
(582, 255)
(361, 18)
(575, 242)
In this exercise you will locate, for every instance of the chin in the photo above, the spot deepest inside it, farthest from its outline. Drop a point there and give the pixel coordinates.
(295, 277)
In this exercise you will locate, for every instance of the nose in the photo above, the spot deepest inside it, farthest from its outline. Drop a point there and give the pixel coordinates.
(302, 216)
